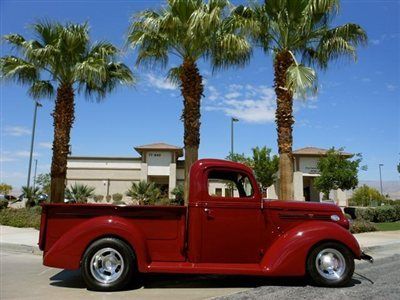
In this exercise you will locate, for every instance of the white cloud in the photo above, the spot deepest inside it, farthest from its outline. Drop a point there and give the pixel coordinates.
(253, 104)
(375, 42)
(232, 95)
(47, 145)
(17, 130)
(25, 154)
(391, 87)
(213, 93)
(159, 82)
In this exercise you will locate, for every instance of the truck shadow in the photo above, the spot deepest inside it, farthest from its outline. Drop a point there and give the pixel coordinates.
(73, 279)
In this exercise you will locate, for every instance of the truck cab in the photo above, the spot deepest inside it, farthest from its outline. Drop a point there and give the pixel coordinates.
(235, 233)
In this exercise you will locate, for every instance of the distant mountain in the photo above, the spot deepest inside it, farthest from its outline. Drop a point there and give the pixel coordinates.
(392, 188)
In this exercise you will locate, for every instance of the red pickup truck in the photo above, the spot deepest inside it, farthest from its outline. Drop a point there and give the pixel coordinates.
(238, 234)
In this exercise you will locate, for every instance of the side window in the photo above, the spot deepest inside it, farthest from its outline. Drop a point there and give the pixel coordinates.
(229, 184)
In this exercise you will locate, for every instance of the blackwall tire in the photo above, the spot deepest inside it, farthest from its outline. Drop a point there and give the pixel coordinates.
(330, 264)
(108, 264)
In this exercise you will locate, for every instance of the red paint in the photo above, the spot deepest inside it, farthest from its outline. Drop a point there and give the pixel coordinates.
(212, 235)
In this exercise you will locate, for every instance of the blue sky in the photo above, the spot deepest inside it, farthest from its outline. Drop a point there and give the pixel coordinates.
(358, 106)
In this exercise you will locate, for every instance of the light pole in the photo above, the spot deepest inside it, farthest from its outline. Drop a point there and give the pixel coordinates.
(37, 104)
(34, 175)
(380, 177)
(232, 121)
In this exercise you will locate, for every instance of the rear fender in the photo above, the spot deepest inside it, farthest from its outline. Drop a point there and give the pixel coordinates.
(288, 254)
(67, 252)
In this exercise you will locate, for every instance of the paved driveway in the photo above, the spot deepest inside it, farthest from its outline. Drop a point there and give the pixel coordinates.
(24, 277)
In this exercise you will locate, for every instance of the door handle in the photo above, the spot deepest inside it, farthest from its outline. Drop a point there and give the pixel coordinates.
(209, 213)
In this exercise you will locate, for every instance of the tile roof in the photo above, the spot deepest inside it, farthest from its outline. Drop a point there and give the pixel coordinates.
(315, 151)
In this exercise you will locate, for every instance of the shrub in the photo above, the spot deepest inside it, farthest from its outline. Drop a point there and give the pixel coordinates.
(179, 193)
(98, 198)
(118, 202)
(145, 192)
(21, 217)
(117, 197)
(367, 214)
(79, 192)
(379, 214)
(3, 204)
(108, 198)
(359, 225)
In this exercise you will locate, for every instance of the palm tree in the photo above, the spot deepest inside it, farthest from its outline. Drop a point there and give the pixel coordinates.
(144, 192)
(31, 194)
(79, 192)
(63, 57)
(189, 30)
(300, 35)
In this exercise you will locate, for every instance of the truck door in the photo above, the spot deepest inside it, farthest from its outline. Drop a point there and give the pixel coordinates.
(232, 220)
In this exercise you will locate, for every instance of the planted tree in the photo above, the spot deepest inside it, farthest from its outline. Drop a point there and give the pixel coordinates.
(79, 192)
(43, 181)
(63, 61)
(144, 192)
(31, 194)
(189, 30)
(366, 196)
(5, 188)
(337, 171)
(300, 35)
(265, 167)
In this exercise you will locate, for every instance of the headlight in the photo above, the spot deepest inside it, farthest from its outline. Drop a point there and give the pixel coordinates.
(335, 218)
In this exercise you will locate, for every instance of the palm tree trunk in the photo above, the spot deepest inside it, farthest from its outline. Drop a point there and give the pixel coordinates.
(192, 90)
(284, 121)
(63, 116)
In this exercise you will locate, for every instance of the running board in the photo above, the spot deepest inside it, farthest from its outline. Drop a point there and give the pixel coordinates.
(204, 268)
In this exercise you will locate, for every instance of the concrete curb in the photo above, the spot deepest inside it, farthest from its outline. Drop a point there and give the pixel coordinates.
(386, 246)
(20, 248)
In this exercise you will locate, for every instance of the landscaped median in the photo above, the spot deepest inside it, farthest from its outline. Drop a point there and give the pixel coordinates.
(381, 218)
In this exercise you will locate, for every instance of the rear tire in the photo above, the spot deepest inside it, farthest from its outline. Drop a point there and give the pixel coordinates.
(330, 264)
(108, 265)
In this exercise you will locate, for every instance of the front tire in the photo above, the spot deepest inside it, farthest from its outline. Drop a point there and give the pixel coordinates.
(330, 264)
(108, 265)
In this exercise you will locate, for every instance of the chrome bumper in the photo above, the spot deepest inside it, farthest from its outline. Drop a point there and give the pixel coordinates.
(366, 257)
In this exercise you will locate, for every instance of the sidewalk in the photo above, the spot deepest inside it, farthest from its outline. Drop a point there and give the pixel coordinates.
(26, 239)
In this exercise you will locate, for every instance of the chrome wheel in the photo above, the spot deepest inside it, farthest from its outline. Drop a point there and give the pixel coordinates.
(330, 264)
(107, 265)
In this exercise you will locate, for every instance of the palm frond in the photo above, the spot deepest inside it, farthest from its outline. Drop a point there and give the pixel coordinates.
(41, 89)
(301, 80)
(174, 74)
(18, 70)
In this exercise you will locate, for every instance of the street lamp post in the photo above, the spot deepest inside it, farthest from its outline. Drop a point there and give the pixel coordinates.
(232, 121)
(37, 104)
(34, 175)
(380, 177)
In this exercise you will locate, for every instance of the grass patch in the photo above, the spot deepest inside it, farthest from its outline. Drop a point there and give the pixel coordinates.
(21, 217)
(388, 226)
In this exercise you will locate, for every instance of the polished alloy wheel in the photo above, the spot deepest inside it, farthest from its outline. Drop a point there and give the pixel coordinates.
(330, 264)
(107, 265)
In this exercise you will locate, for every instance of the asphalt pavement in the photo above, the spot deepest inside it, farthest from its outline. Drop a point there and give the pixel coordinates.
(22, 276)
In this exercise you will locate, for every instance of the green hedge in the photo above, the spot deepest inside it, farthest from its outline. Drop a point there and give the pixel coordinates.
(21, 217)
(379, 214)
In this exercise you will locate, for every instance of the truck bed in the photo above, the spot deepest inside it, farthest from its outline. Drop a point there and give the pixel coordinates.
(162, 227)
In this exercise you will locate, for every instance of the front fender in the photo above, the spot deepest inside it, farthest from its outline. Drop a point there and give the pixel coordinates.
(67, 251)
(288, 254)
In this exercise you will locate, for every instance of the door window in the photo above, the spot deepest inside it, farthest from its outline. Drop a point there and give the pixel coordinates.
(229, 184)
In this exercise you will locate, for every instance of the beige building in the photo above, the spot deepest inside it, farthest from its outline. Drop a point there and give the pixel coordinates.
(305, 171)
(159, 163)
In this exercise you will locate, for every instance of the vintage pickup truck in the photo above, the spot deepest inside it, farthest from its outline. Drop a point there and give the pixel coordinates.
(239, 234)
